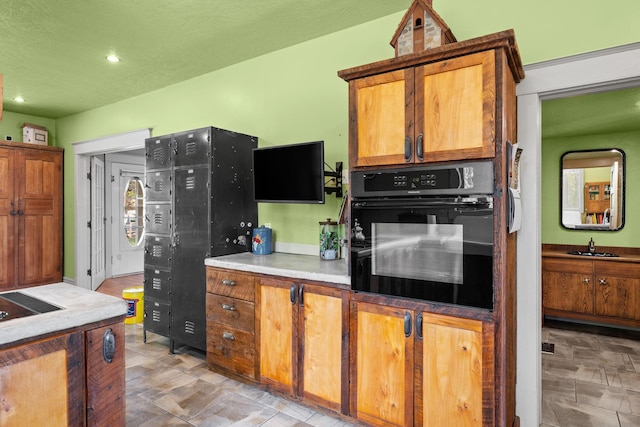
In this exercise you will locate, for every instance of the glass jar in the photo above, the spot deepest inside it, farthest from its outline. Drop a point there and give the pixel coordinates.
(329, 240)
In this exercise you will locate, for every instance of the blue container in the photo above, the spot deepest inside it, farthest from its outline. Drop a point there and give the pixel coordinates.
(261, 243)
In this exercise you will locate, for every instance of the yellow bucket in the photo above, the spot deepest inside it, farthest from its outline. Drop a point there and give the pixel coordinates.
(135, 304)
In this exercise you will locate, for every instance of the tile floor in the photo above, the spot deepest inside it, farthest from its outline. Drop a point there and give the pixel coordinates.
(590, 380)
(179, 390)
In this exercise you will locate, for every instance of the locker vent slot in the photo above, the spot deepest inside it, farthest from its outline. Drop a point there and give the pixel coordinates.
(191, 183)
(156, 316)
(157, 251)
(189, 327)
(158, 154)
(157, 218)
(190, 148)
(158, 186)
(156, 283)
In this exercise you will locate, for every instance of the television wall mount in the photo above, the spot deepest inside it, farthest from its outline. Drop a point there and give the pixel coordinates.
(336, 180)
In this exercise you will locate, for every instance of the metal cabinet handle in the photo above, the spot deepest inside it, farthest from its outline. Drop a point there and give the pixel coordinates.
(603, 281)
(228, 336)
(586, 280)
(228, 282)
(419, 147)
(419, 326)
(408, 149)
(292, 293)
(228, 307)
(407, 324)
(300, 295)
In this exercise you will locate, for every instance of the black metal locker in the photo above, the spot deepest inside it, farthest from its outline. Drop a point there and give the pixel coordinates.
(200, 204)
(158, 152)
(158, 186)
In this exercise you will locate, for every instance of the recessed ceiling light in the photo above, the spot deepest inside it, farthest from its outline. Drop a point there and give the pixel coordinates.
(113, 58)
(18, 99)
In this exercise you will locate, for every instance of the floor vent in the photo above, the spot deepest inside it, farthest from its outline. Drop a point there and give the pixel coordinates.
(548, 347)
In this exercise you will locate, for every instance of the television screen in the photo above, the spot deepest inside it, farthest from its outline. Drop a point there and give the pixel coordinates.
(289, 173)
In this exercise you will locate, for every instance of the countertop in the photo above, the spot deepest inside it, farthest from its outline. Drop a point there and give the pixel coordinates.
(80, 307)
(627, 255)
(306, 267)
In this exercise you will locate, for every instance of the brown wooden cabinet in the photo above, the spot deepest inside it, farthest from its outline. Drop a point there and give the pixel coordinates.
(74, 384)
(597, 197)
(596, 290)
(301, 329)
(429, 108)
(30, 215)
(231, 323)
(435, 369)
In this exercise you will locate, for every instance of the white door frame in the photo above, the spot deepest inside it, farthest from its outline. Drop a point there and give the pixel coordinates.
(608, 69)
(82, 154)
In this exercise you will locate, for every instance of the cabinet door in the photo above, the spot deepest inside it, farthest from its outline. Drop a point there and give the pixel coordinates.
(276, 335)
(617, 289)
(322, 328)
(42, 384)
(8, 219)
(40, 213)
(382, 369)
(381, 119)
(567, 285)
(105, 379)
(452, 371)
(456, 107)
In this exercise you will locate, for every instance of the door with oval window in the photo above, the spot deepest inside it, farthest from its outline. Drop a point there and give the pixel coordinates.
(127, 219)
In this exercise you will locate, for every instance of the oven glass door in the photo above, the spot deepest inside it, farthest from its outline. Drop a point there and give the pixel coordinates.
(438, 250)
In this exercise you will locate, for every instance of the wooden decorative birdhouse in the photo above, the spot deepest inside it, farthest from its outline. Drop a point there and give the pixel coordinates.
(421, 29)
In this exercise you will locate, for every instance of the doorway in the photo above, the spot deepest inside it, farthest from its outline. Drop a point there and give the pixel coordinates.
(596, 71)
(126, 149)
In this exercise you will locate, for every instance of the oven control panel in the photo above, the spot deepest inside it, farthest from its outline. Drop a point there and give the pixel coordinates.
(456, 179)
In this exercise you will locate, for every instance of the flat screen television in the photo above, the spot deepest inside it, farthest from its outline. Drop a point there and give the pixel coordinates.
(291, 173)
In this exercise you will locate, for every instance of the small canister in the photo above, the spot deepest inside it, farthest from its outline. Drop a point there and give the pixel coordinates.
(261, 241)
(329, 240)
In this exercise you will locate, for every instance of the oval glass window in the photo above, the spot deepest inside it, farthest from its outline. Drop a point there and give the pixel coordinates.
(134, 211)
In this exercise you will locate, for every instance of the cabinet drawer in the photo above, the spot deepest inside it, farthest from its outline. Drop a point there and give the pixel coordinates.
(617, 269)
(232, 312)
(231, 349)
(563, 265)
(231, 284)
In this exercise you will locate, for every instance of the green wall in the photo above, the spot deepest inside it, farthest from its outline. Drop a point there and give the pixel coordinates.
(552, 150)
(294, 95)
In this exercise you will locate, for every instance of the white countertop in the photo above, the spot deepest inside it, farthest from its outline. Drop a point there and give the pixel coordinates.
(80, 307)
(288, 265)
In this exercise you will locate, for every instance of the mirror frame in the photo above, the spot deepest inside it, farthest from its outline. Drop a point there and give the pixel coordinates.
(622, 188)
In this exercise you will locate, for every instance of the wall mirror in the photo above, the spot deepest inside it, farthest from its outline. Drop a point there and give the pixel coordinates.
(592, 190)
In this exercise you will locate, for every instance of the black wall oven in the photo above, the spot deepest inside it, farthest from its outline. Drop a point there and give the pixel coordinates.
(424, 233)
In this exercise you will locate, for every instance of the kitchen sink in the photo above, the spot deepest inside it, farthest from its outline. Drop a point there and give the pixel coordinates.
(14, 305)
(597, 254)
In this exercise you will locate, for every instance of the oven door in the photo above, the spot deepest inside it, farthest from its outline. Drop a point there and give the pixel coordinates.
(430, 249)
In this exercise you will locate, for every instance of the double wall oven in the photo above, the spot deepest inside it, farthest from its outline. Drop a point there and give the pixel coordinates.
(424, 233)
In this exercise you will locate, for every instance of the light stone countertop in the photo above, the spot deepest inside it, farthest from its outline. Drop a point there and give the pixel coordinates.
(80, 307)
(296, 266)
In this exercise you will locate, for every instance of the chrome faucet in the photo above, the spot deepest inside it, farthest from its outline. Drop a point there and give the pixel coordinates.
(592, 246)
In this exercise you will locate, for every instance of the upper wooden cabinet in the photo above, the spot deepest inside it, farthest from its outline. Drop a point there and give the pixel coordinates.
(442, 104)
(30, 215)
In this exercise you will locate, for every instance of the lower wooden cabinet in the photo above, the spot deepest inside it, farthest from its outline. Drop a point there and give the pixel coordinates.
(301, 346)
(413, 368)
(64, 380)
(230, 310)
(596, 290)
(358, 356)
